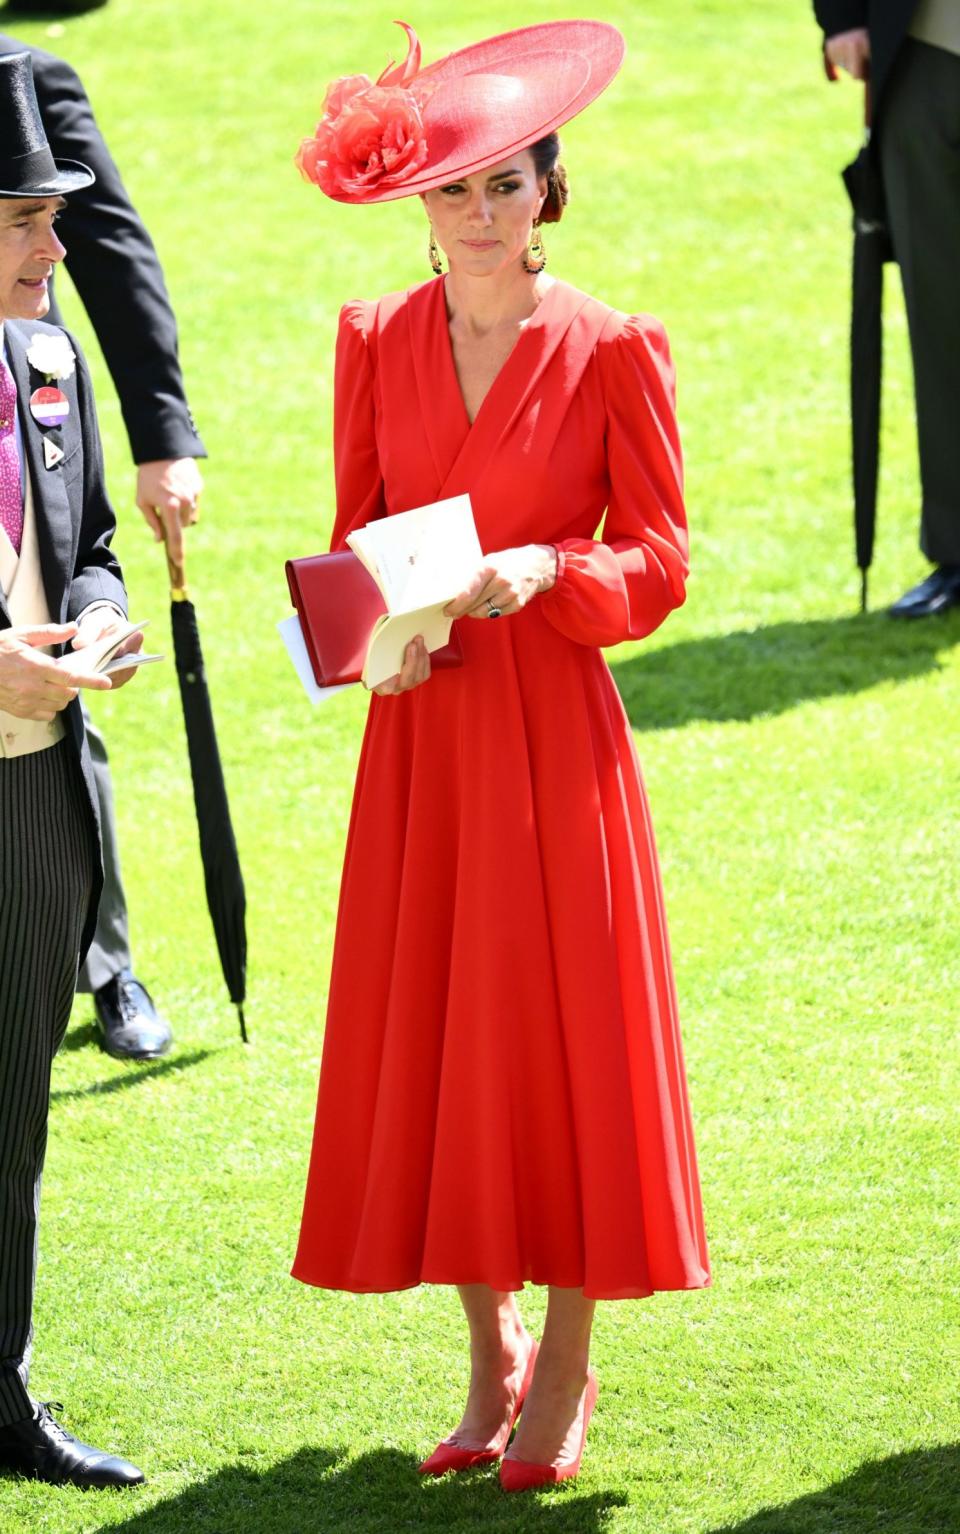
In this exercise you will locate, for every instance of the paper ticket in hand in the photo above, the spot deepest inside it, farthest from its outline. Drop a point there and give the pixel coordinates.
(100, 658)
(420, 560)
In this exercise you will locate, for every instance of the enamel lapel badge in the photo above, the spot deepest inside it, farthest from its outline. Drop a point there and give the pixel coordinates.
(52, 452)
(49, 407)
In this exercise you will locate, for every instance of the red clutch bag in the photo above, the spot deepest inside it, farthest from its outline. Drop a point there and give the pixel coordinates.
(338, 602)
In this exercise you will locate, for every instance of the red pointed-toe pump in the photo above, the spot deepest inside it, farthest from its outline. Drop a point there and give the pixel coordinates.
(451, 1455)
(521, 1475)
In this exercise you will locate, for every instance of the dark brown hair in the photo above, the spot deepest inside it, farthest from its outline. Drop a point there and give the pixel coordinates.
(546, 161)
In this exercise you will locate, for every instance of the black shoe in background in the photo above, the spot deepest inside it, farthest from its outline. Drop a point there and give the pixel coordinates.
(936, 594)
(131, 1028)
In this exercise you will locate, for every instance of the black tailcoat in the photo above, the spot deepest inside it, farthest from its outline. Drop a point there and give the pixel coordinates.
(115, 269)
(887, 22)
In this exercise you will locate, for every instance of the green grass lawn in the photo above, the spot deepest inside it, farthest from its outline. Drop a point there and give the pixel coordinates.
(801, 760)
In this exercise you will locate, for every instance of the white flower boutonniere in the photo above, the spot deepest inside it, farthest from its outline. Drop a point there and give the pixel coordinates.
(52, 356)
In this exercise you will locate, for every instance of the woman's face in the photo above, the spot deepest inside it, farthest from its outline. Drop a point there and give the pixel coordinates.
(482, 223)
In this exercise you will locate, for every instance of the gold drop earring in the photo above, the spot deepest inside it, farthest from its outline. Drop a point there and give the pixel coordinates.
(433, 251)
(535, 257)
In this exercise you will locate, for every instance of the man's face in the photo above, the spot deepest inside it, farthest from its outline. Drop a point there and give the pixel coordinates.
(29, 250)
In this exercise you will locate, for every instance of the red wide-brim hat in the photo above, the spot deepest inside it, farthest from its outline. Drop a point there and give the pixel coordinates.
(416, 129)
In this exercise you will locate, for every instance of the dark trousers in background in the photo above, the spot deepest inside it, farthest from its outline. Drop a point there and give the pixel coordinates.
(920, 157)
(110, 949)
(47, 861)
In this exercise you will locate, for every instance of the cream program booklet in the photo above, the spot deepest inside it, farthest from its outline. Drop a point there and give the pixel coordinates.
(420, 560)
(101, 656)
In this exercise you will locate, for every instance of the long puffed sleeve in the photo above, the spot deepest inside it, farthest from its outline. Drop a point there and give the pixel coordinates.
(359, 481)
(624, 585)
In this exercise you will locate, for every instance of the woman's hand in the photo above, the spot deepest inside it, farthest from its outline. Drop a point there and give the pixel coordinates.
(507, 581)
(415, 669)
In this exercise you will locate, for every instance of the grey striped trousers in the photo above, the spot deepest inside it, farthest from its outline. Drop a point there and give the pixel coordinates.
(47, 855)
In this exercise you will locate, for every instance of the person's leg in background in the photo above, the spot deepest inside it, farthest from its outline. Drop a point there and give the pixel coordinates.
(920, 158)
(130, 1026)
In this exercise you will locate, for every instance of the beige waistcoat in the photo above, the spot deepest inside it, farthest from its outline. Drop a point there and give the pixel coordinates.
(938, 22)
(22, 582)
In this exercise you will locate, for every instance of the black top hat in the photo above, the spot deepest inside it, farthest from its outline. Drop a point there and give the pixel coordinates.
(27, 167)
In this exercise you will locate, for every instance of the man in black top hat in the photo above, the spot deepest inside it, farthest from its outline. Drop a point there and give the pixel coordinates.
(116, 272)
(909, 50)
(59, 584)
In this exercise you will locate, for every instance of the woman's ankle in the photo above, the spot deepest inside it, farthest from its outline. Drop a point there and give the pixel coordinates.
(566, 1367)
(500, 1357)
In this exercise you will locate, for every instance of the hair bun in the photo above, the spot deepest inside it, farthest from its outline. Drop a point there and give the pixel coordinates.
(558, 195)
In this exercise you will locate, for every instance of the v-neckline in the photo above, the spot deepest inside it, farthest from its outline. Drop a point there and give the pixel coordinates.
(461, 450)
(532, 324)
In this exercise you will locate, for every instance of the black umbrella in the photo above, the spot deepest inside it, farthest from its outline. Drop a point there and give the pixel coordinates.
(226, 898)
(871, 248)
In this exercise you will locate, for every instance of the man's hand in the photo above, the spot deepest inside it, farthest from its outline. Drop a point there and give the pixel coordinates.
(98, 625)
(168, 492)
(34, 685)
(850, 51)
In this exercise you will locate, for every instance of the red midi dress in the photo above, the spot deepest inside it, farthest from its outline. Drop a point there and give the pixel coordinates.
(502, 1094)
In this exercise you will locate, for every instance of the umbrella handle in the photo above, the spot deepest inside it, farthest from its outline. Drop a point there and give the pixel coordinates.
(178, 578)
(830, 70)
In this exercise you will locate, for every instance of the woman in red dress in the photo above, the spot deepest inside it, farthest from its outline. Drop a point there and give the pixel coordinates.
(502, 1095)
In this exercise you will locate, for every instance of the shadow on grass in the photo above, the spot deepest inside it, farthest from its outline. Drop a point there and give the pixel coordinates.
(132, 1077)
(315, 1492)
(79, 1038)
(913, 1493)
(768, 670)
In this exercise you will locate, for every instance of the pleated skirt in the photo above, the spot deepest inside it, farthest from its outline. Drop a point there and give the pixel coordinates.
(502, 1093)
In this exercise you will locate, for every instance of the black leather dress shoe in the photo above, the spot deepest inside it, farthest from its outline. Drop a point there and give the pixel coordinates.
(934, 595)
(40, 1447)
(131, 1028)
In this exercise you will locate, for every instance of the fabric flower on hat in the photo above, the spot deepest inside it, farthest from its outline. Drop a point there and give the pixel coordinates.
(52, 356)
(371, 134)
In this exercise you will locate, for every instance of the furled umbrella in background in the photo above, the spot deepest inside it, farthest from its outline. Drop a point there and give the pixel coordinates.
(871, 248)
(226, 897)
